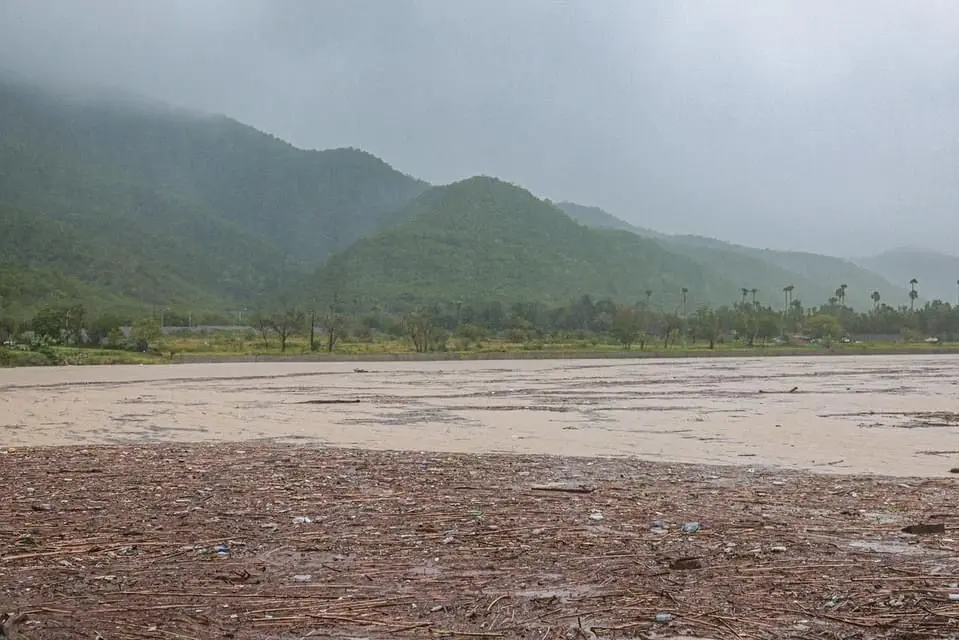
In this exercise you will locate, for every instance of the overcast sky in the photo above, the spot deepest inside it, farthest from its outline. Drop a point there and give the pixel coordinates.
(813, 124)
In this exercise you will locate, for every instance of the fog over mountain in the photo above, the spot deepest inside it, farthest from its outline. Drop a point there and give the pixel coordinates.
(810, 125)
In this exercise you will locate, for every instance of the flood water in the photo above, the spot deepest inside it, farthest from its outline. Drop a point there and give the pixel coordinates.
(891, 415)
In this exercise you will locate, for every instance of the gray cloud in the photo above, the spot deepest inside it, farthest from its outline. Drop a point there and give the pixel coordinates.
(808, 124)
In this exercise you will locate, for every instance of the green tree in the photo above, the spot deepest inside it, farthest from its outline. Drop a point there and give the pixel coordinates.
(824, 327)
(147, 331)
(50, 325)
(102, 327)
(627, 326)
(471, 333)
(913, 294)
(8, 329)
(706, 325)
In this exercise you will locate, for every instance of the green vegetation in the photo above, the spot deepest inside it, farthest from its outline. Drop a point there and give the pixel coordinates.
(64, 335)
(598, 219)
(135, 215)
(765, 270)
(484, 239)
(125, 206)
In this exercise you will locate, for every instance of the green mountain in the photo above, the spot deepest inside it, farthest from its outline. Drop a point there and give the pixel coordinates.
(814, 277)
(142, 204)
(937, 273)
(123, 204)
(599, 219)
(485, 239)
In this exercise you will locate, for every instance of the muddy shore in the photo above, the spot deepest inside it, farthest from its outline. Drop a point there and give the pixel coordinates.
(895, 415)
(677, 353)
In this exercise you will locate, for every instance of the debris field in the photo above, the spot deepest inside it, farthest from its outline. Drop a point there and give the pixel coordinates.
(266, 540)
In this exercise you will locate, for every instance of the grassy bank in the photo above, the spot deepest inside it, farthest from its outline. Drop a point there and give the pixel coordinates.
(217, 348)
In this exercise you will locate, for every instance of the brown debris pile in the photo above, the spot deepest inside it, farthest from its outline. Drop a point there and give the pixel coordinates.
(267, 541)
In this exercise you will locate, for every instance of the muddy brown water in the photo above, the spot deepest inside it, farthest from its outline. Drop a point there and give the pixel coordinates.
(890, 415)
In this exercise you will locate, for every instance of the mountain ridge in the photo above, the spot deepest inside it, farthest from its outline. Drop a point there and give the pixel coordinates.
(176, 209)
(141, 204)
(815, 277)
(532, 251)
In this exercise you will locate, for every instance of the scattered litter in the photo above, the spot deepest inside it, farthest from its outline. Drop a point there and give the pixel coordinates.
(370, 565)
(691, 527)
(564, 487)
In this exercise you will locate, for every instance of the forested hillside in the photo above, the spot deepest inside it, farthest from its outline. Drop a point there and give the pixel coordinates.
(814, 278)
(157, 206)
(127, 205)
(485, 239)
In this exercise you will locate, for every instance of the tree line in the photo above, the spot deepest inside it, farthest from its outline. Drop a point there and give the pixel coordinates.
(433, 327)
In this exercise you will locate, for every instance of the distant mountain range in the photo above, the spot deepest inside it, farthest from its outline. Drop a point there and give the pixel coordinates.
(937, 273)
(126, 205)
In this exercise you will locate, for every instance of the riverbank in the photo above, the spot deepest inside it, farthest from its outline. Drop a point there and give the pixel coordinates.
(58, 356)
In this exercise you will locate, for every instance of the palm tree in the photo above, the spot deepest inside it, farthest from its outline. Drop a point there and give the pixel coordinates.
(842, 293)
(754, 292)
(685, 291)
(649, 294)
(789, 294)
(913, 294)
(745, 293)
(876, 297)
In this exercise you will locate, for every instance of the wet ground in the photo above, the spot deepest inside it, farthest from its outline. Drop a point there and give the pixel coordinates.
(894, 415)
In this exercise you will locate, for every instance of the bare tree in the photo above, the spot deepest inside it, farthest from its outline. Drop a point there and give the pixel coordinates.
(334, 330)
(419, 326)
(286, 323)
(672, 326)
(262, 323)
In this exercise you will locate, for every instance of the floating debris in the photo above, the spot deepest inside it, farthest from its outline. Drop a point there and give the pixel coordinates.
(390, 551)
